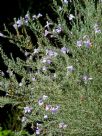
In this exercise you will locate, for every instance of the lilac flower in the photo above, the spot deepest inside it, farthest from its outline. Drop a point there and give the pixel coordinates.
(46, 33)
(40, 102)
(20, 84)
(86, 78)
(27, 109)
(51, 53)
(24, 119)
(48, 24)
(44, 68)
(36, 51)
(48, 107)
(58, 29)
(44, 97)
(54, 109)
(65, 1)
(46, 60)
(33, 79)
(26, 18)
(2, 35)
(64, 50)
(26, 53)
(60, 8)
(34, 17)
(2, 73)
(79, 43)
(96, 28)
(45, 116)
(70, 68)
(39, 15)
(62, 125)
(37, 131)
(19, 23)
(87, 43)
(71, 17)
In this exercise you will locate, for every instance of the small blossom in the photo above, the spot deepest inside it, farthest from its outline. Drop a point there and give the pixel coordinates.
(37, 131)
(27, 18)
(51, 53)
(36, 51)
(39, 15)
(2, 73)
(44, 97)
(34, 17)
(54, 109)
(2, 35)
(79, 43)
(44, 68)
(19, 23)
(58, 29)
(20, 84)
(40, 102)
(60, 8)
(86, 78)
(65, 1)
(71, 17)
(87, 43)
(70, 68)
(46, 60)
(33, 79)
(24, 119)
(54, 75)
(48, 107)
(26, 53)
(46, 33)
(96, 28)
(45, 116)
(62, 125)
(64, 50)
(48, 24)
(27, 109)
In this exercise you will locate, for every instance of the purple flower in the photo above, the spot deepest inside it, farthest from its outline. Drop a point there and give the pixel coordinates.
(2, 35)
(62, 125)
(27, 109)
(70, 68)
(86, 78)
(51, 53)
(58, 29)
(64, 50)
(79, 43)
(87, 43)
(39, 15)
(37, 131)
(54, 109)
(33, 79)
(48, 107)
(45, 116)
(36, 51)
(71, 17)
(44, 97)
(40, 102)
(48, 24)
(46, 60)
(24, 119)
(65, 1)
(96, 28)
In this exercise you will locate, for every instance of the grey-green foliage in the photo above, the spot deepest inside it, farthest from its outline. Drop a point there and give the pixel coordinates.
(66, 81)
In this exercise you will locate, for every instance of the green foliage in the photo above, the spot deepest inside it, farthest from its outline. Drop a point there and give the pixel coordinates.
(6, 133)
(57, 90)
